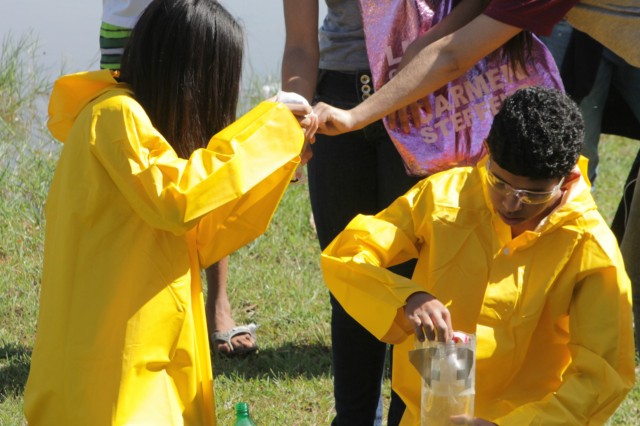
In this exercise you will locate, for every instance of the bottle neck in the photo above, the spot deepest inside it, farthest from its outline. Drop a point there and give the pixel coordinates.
(242, 410)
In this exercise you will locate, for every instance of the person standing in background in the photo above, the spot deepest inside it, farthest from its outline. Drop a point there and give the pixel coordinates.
(361, 171)
(118, 19)
(607, 89)
(630, 248)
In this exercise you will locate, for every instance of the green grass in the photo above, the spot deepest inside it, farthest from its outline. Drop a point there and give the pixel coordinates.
(275, 281)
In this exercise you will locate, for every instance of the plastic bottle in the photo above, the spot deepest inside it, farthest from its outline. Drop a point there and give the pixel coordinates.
(243, 418)
(449, 393)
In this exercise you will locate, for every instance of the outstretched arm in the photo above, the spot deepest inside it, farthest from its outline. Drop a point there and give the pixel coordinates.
(432, 67)
(459, 16)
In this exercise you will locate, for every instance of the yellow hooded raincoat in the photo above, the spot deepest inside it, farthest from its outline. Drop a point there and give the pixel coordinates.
(122, 335)
(551, 309)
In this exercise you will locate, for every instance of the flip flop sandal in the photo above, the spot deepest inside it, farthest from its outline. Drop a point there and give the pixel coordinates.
(226, 336)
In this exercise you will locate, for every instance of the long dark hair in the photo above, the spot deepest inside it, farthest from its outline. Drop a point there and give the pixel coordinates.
(518, 50)
(184, 62)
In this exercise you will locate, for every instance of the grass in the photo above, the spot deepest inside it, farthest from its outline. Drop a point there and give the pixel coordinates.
(275, 281)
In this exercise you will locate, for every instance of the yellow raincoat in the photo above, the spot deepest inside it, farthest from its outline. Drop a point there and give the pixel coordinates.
(551, 309)
(122, 335)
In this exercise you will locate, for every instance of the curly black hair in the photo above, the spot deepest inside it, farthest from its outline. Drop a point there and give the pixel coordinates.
(538, 133)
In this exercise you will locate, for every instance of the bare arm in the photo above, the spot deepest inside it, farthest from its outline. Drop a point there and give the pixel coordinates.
(460, 16)
(300, 60)
(301, 51)
(432, 67)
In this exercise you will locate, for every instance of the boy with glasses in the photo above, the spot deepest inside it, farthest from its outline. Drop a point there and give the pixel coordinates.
(513, 250)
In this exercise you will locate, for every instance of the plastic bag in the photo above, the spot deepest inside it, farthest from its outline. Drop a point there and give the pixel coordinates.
(448, 378)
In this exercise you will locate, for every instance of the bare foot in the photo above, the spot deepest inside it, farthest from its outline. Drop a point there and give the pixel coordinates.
(223, 322)
(218, 312)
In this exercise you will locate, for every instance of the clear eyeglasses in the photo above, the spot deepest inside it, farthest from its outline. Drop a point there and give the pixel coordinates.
(523, 195)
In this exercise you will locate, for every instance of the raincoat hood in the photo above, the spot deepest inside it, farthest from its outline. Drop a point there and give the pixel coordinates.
(71, 93)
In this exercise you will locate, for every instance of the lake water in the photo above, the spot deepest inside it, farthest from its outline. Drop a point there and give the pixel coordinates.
(67, 31)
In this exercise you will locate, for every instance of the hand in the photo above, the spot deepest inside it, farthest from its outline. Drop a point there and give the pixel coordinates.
(305, 154)
(308, 120)
(429, 317)
(470, 420)
(333, 121)
(400, 118)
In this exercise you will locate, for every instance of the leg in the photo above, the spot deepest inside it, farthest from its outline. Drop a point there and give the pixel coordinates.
(218, 310)
(396, 407)
(621, 219)
(630, 248)
(592, 107)
(358, 365)
(626, 79)
(340, 186)
(393, 182)
(342, 183)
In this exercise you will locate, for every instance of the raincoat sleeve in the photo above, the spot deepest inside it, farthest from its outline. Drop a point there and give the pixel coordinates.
(240, 221)
(601, 372)
(244, 167)
(354, 266)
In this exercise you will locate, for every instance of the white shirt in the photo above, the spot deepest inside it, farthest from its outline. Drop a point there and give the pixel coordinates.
(123, 13)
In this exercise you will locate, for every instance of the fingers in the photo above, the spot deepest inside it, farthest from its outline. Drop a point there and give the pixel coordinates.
(393, 120)
(414, 108)
(426, 105)
(306, 118)
(309, 124)
(306, 154)
(429, 317)
(432, 325)
(442, 323)
(422, 325)
(299, 109)
(403, 118)
(332, 121)
(462, 420)
(323, 112)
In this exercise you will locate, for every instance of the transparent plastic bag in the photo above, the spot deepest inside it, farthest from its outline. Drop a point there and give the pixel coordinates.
(448, 378)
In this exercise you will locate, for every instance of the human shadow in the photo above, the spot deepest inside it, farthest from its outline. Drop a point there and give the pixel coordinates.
(15, 361)
(290, 360)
